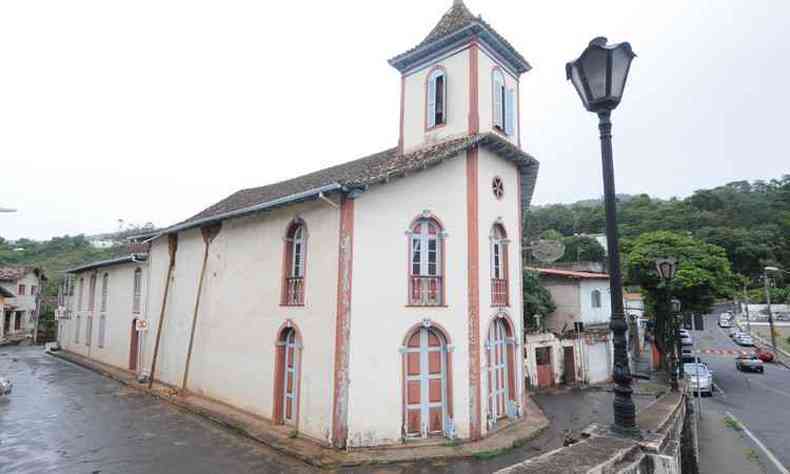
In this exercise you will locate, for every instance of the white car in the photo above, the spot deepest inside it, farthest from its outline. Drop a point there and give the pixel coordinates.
(725, 323)
(744, 340)
(699, 378)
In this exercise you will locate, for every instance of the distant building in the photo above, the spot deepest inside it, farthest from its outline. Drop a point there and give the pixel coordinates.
(21, 311)
(101, 243)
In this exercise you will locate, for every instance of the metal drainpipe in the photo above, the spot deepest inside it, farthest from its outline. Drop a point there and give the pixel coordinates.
(172, 244)
(209, 233)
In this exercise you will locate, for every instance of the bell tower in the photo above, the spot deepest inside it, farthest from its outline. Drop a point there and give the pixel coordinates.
(462, 79)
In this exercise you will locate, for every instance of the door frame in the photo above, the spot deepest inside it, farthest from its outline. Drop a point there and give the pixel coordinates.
(278, 413)
(448, 428)
(134, 347)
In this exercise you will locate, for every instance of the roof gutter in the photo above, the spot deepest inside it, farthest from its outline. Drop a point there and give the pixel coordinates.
(314, 193)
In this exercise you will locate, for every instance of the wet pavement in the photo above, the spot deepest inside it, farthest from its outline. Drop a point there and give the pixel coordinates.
(66, 419)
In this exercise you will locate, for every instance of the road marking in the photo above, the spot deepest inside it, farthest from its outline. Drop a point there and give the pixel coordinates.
(759, 443)
(718, 389)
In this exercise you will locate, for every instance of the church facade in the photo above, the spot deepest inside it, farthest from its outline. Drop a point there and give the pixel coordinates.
(372, 303)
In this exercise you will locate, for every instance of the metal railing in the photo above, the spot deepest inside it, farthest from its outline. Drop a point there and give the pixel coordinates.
(294, 291)
(499, 292)
(425, 291)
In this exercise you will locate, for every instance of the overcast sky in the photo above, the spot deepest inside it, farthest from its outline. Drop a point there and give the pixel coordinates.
(154, 110)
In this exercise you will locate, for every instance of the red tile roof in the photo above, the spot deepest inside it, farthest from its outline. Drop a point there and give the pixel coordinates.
(569, 273)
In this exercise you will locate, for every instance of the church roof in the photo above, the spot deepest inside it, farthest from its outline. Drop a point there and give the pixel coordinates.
(458, 23)
(358, 174)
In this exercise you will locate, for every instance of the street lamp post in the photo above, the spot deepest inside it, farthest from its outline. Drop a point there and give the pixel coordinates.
(666, 269)
(599, 76)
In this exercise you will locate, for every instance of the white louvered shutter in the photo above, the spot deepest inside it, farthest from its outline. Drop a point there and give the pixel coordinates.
(431, 101)
(509, 112)
(498, 103)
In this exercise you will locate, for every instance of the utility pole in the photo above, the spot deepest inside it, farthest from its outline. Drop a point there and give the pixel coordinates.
(770, 313)
(746, 305)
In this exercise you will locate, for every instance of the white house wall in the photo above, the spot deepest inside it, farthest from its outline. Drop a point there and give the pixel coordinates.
(566, 298)
(380, 317)
(233, 355)
(25, 303)
(506, 212)
(590, 315)
(414, 133)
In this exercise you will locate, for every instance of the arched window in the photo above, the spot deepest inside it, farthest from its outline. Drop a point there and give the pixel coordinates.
(137, 290)
(437, 97)
(79, 297)
(596, 299)
(427, 387)
(104, 282)
(295, 259)
(426, 263)
(92, 293)
(504, 101)
(499, 267)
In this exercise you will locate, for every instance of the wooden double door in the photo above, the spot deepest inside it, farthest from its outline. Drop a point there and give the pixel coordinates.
(426, 384)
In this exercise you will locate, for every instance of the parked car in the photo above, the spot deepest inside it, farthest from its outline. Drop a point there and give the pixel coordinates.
(764, 355)
(5, 386)
(750, 362)
(683, 332)
(744, 340)
(734, 332)
(687, 355)
(725, 320)
(699, 378)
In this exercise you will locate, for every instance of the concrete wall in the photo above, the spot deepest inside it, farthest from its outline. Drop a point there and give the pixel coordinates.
(565, 294)
(557, 345)
(598, 358)
(415, 135)
(240, 314)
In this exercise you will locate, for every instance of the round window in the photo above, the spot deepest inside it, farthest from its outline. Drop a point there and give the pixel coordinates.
(498, 187)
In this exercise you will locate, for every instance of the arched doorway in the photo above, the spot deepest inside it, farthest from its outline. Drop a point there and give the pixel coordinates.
(287, 377)
(500, 370)
(134, 345)
(426, 389)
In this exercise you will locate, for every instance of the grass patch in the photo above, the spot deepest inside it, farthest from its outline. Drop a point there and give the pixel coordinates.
(485, 455)
(752, 456)
(732, 423)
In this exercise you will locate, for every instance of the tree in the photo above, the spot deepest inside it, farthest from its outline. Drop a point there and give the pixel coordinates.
(537, 299)
(703, 274)
(580, 248)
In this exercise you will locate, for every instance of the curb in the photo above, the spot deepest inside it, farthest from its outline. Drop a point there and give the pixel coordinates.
(322, 462)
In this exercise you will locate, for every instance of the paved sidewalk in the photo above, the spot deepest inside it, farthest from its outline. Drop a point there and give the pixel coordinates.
(724, 449)
(313, 453)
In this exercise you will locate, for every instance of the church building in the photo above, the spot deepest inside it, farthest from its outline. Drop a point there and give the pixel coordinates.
(372, 303)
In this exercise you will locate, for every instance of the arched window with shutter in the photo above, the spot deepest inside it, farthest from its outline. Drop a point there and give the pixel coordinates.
(436, 98)
(294, 264)
(504, 103)
(426, 263)
(500, 283)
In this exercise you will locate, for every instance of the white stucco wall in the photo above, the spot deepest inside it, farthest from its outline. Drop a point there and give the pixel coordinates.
(566, 298)
(506, 212)
(486, 66)
(240, 313)
(119, 315)
(414, 133)
(590, 315)
(380, 317)
(598, 361)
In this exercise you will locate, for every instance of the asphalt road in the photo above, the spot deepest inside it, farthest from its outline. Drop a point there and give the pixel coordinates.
(761, 402)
